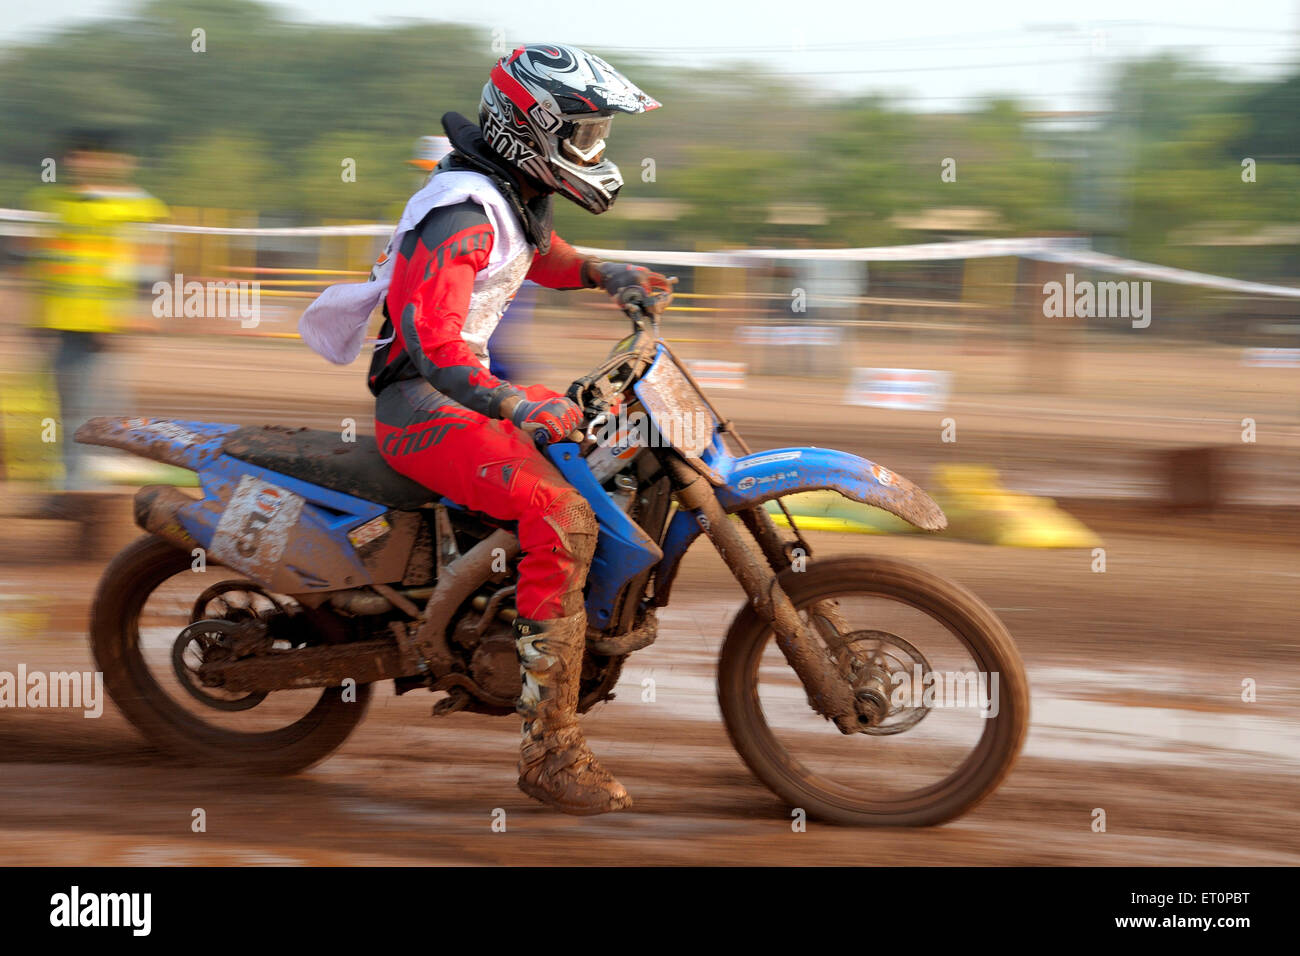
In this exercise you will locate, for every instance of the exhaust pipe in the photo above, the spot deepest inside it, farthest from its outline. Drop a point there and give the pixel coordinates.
(156, 508)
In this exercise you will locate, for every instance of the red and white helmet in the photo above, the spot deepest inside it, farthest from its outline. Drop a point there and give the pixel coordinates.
(547, 109)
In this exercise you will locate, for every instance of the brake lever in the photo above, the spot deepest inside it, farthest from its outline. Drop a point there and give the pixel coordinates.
(595, 423)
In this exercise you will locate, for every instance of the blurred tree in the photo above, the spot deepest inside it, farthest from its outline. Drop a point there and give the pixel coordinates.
(222, 170)
(1272, 129)
(1171, 160)
(266, 114)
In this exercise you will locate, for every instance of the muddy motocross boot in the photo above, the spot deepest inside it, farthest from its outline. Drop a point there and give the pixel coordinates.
(555, 764)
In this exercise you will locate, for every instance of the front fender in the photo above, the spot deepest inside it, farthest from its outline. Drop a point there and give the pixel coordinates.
(754, 479)
(757, 478)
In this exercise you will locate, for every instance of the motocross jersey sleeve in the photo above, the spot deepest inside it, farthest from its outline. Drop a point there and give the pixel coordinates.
(560, 268)
(433, 280)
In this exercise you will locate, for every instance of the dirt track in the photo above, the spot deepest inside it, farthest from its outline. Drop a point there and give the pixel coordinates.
(1136, 673)
(1136, 677)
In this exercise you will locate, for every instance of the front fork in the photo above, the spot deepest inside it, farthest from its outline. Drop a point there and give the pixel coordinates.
(829, 687)
(871, 684)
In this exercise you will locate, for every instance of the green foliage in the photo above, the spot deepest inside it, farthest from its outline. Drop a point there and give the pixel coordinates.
(266, 116)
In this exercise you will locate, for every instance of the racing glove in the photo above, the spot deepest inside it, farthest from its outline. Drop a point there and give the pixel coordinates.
(555, 416)
(614, 277)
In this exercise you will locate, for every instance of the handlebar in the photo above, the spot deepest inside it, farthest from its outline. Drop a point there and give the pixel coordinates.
(643, 309)
(638, 303)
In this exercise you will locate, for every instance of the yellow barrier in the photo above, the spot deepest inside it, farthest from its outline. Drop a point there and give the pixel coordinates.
(27, 400)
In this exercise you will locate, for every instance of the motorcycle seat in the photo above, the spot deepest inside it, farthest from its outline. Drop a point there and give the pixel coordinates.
(323, 458)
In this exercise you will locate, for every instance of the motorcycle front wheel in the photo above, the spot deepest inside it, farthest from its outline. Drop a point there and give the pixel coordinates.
(958, 697)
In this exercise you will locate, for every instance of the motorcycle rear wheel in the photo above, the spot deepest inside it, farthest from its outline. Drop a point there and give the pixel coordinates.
(123, 592)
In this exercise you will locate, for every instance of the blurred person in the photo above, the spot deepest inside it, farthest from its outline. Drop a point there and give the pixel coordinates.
(87, 268)
(461, 250)
(429, 152)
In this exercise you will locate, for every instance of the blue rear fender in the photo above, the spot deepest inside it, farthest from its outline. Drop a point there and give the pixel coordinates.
(184, 444)
(290, 535)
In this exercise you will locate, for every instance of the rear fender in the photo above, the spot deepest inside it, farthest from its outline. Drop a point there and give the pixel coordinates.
(184, 444)
(289, 535)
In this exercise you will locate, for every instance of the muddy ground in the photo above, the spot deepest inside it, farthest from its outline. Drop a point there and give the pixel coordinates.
(1136, 687)
(1136, 677)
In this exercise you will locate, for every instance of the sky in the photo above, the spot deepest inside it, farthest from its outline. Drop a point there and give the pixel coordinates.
(938, 54)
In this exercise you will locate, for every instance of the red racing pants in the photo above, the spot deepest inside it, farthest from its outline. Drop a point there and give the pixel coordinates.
(489, 465)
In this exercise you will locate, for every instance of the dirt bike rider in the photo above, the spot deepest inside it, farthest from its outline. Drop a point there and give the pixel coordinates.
(478, 228)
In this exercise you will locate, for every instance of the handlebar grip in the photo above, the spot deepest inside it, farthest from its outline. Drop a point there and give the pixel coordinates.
(541, 437)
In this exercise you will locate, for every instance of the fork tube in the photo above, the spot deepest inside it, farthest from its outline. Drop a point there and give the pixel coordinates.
(770, 542)
(828, 692)
(825, 614)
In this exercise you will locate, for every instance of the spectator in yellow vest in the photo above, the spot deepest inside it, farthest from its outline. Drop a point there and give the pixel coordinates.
(87, 269)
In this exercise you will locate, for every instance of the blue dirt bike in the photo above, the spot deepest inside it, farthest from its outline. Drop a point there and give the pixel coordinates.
(247, 628)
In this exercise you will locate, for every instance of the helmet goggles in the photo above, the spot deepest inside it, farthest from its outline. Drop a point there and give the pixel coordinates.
(584, 138)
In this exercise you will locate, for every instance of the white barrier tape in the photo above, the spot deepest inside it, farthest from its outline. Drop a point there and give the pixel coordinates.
(1071, 251)
(1145, 270)
(927, 251)
(359, 230)
(920, 252)
(668, 257)
(23, 215)
(362, 229)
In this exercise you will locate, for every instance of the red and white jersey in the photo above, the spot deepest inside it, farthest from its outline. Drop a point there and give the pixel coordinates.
(335, 324)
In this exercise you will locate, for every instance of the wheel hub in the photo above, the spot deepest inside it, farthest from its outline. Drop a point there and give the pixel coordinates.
(883, 661)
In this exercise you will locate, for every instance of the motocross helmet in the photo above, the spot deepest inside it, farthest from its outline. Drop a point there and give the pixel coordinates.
(547, 109)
